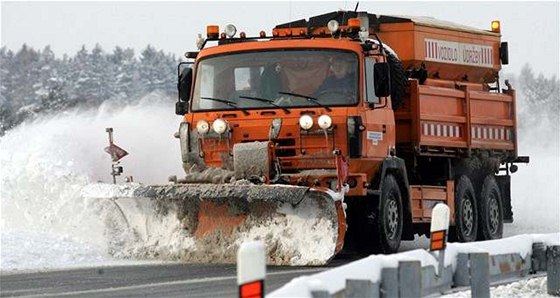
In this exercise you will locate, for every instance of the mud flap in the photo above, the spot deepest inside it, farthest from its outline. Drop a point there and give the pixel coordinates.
(504, 183)
(207, 222)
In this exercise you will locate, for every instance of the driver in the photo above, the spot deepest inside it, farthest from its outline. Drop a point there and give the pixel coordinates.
(341, 79)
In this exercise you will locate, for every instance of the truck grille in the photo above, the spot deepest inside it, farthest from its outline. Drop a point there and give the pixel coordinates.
(285, 147)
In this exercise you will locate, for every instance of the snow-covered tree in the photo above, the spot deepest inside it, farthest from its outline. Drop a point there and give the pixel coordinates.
(156, 70)
(125, 73)
(541, 96)
(37, 82)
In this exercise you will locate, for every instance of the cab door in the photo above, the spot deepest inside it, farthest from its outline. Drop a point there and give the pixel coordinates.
(379, 121)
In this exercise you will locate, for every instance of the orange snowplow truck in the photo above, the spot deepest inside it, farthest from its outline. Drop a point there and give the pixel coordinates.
(377, 118)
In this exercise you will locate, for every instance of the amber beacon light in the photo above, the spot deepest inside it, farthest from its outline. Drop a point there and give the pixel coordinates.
(212, 31)
(496, 26)
(354, 23)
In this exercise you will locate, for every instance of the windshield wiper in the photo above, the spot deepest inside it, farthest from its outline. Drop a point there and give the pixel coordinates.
(227, 102)
(269, 101)
(308, 98)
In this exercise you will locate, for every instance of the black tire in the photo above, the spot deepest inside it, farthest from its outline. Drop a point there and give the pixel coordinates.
(399, 80)
(390, 220)
(466, 212)
(491, 219)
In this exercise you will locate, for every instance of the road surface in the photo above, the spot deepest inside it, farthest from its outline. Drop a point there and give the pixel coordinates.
(163, 280)
(153, 280)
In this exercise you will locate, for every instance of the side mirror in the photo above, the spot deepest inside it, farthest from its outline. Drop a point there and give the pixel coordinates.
(184, 84)
(382, 82)
(504, 53)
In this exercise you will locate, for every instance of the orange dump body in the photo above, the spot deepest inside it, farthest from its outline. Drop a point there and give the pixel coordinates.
(451, 118)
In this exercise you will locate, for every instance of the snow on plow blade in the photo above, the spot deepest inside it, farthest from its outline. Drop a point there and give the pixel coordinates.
(207, 222)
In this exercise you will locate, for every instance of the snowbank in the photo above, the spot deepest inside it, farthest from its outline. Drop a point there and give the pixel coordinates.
(534, 287)
(36, 250)
(522, 244)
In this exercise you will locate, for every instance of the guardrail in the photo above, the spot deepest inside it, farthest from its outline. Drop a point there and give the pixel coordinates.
(413, 274)
(417, 273)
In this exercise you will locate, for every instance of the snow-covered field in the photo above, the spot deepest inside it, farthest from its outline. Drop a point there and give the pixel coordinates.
(47, 224)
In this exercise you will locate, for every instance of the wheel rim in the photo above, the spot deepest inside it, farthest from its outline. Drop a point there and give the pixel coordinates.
(468, 216)
(494, 215)
(392, 218)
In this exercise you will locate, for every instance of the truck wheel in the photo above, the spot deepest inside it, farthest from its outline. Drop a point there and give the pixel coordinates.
(491, 213)
(390, 220)
(466, 212)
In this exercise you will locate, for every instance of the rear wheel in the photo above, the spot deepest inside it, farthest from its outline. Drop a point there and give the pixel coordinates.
(390, 219)
(466, 212)
(491, 223)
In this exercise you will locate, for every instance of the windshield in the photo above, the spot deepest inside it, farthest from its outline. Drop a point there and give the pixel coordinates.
(276, 79)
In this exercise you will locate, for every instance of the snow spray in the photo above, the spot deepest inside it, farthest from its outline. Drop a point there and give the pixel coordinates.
(45, 164)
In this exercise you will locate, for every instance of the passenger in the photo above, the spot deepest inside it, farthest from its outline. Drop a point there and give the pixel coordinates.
(271, 81)
(342, 79)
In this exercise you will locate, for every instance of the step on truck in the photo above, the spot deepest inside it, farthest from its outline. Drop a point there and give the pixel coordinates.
(353, 123)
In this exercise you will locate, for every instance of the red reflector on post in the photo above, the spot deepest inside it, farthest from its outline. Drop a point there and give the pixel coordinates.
(252, 290)
(437, 240)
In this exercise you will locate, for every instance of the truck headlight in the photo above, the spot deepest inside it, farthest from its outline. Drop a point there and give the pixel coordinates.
(184, 140)
(202, 127)
(305, 122)
(325, 121)
(219, 126)
(275, 128)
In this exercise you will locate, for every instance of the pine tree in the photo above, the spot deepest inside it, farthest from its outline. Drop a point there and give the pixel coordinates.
(78, 75)
(6, 59)
(125, 74)
(46, 70)
(542, 97)
(157, 71)
(102, 75)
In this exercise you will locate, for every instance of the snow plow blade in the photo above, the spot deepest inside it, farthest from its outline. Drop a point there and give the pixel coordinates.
(300, 225)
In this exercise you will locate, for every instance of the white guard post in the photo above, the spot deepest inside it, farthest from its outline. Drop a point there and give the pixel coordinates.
(438, 231)
(251, 269)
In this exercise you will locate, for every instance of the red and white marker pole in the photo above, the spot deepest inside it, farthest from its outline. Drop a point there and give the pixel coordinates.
(251, 269)
(438, 233)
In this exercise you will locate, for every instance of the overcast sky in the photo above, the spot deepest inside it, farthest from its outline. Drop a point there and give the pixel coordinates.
(531, 28)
